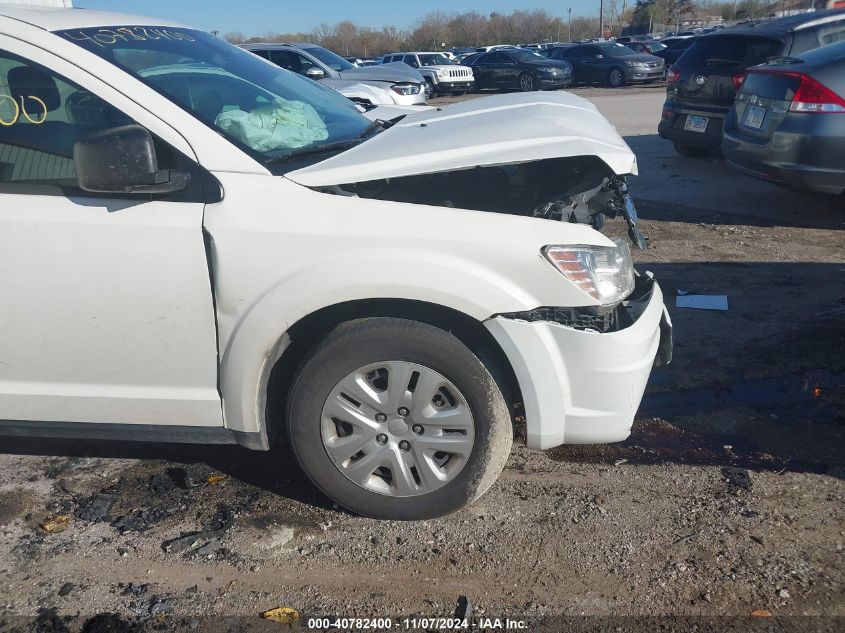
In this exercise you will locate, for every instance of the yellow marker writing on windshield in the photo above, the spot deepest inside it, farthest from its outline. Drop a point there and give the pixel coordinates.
(21, 109)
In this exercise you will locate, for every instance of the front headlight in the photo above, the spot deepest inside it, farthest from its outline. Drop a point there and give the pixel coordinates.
(443, 72)
(605, 273)
(630, 63)
(546, 69)
(405, 89)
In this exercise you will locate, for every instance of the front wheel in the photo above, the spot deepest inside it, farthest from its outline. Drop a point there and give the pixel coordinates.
(616, 78)
(396, 419)
(526, 82)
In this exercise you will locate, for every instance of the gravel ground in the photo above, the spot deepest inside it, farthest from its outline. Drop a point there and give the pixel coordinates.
(726, 501)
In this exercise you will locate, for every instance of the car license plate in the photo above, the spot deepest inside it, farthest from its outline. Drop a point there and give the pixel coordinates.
(696, 124)
(754, 117)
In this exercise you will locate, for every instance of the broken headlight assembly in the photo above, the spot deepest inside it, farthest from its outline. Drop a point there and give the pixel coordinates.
(606, 273)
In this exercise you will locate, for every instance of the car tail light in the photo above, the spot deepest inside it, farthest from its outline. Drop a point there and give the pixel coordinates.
(737, 79)
(672, 75)
(811, 96)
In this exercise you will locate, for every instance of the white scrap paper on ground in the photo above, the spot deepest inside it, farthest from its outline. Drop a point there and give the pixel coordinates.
(702, 302)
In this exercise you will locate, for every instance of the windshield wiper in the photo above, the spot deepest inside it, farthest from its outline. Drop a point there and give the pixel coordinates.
(314, 149)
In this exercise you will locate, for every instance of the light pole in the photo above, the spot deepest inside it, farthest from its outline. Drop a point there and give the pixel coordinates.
(570, 25)
(601, 19)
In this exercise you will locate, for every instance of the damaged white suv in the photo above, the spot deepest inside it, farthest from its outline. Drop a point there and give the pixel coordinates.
(198, 246)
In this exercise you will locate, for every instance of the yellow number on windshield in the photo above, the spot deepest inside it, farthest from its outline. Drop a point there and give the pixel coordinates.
(21, 110)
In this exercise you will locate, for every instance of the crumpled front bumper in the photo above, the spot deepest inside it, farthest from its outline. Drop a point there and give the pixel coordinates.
(580, 386)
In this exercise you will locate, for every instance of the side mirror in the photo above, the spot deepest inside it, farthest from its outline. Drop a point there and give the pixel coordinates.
(315, 73)
(123, 160)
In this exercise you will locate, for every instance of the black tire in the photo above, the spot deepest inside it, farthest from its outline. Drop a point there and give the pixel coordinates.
(526, 82)
(691, 152)
(432, 90)
(616, 77)
(356, 344)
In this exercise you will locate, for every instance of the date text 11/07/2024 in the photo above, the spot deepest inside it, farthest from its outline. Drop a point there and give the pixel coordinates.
(418, 623)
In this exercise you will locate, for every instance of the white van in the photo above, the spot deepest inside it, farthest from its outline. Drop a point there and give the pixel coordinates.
(198, 246)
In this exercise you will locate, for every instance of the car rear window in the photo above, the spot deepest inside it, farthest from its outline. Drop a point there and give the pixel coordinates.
(729, 51)
(822, 35)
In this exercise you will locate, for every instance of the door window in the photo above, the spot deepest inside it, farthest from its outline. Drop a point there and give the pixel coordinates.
(42, 115)
(580, 52)
(292, 61)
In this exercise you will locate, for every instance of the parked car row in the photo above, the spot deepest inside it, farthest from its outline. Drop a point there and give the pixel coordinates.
(398, 82)
(770, 96)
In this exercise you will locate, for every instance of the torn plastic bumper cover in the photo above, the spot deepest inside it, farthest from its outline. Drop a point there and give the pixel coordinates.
(584, 384)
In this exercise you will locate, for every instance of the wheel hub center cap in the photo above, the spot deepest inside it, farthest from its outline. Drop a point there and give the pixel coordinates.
(397, 426)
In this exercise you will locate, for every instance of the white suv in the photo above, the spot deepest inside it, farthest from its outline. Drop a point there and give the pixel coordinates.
(197, 246)
(443, 77)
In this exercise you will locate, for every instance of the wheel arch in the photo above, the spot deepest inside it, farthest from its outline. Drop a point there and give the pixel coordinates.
(283, 361)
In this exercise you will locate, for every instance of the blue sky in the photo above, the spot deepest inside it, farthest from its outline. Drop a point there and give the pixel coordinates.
(255, 17)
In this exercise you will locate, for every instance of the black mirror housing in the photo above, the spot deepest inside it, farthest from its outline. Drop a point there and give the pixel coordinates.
(123, 160)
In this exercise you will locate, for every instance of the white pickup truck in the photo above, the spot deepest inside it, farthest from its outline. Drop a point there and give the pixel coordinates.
(198, 246)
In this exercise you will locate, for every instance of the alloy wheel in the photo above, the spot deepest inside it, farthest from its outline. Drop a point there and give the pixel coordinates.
(617, 79)
(526, 83)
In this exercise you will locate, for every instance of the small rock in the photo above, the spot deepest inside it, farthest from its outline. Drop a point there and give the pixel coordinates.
(160, 606)
(210, 549)
(96, 509)
(136, 591)
(375, 539)
(182, 543)
(783, 593)
(66, 589)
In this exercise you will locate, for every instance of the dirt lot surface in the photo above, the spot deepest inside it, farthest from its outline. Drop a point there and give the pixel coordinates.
(650, 527)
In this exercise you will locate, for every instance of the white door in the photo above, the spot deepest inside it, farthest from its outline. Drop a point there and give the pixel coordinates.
(106, 312)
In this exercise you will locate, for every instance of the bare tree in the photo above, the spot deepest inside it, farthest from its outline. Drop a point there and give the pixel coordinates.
(235, 37)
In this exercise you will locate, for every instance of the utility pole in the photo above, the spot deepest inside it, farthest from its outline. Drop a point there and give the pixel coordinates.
(622, 16)
(570, 25)
(601, 19)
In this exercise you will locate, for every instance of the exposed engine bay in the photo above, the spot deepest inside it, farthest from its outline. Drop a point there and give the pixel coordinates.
(578, 189)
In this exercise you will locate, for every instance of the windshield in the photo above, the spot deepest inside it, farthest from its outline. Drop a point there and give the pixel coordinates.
(615, 50)
(267, 111)
(523, 55)
(333, 61)
(433, 59)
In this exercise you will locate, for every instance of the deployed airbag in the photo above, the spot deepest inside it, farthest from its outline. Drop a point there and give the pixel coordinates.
(281, 125)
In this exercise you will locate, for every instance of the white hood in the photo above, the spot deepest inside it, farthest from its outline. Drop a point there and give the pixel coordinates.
(496, 130)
